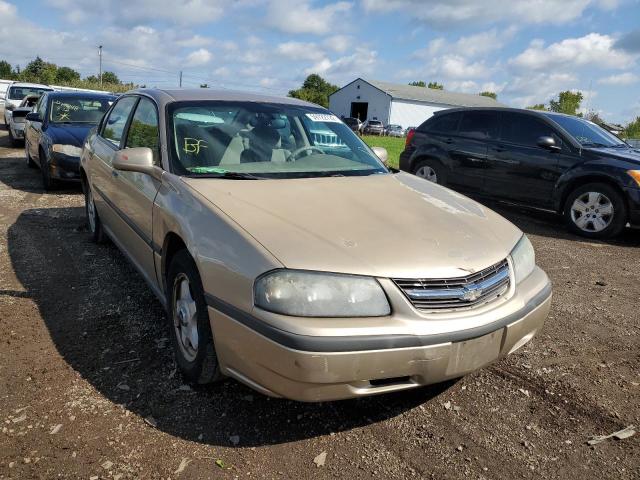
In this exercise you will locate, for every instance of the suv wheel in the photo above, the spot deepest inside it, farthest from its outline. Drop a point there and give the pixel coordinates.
(596, 210)
(189, 322)
(430, 170)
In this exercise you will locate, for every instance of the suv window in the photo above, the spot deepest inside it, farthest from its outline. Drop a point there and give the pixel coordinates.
(480, 125)
(114, 126)
(143, 131)
(442, 123)
(524, 129)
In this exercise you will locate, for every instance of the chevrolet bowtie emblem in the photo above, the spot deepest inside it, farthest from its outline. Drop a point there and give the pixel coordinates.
(471, 294)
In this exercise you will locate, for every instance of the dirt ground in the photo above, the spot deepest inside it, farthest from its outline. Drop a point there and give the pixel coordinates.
(88, 386)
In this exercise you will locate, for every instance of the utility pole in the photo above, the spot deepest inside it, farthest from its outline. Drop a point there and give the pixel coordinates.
(100, 56)
(180, 78)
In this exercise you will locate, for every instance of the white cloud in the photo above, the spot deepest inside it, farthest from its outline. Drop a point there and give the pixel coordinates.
(538, 87)
(362, 62)
(298, 16)
(470, 46)
(626, 78)
(300, 51)
(442, 13)
(593, 49)
(339, 43)
(202, 56)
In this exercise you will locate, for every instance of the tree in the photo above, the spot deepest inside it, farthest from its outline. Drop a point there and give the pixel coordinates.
(568, 102)
(594, 117)
(493, 95)
(419, 83)
(6, 72)
(92, 79)
(66, 74)
(537, 106)
(435, 86)
(39, 71)
(315, 89)
(632, 130)
(110, 77)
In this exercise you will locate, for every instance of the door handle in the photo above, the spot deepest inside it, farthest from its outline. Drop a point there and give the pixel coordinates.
(449, 141)
(499, 148)
(114, 173)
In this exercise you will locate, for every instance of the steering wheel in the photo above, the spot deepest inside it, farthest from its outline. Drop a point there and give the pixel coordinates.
(298, 151)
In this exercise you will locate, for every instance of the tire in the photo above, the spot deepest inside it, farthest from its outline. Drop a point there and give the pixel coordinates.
(30, 162)
(198, 364)
(94, 225)
(431, 170)
(14, 142)
(48, 183)
(587, 208)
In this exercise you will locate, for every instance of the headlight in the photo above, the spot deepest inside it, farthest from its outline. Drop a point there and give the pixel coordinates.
(316, 294)
(69, 150)
(635, 174)
(523, 258)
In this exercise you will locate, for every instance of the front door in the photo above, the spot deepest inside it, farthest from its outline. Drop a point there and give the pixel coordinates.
(517, 168)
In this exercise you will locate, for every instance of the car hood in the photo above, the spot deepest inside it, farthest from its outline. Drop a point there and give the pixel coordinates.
(630, 154)
(69, 134)
(382, 225)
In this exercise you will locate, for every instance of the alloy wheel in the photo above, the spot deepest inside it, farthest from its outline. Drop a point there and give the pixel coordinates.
(185, 318)
(592, 212)
(427, 173)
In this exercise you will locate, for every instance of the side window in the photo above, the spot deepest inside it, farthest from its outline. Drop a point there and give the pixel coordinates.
(442, 123)
(41, 106)
(524, 129)
(143, 131)
(480, 125)
(117, 119)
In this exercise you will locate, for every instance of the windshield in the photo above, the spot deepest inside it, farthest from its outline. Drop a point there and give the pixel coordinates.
(264, 140)
(588, 134)
(18, 93)
(78, 110)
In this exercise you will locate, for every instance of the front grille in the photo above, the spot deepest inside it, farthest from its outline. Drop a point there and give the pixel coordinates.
(459, 292)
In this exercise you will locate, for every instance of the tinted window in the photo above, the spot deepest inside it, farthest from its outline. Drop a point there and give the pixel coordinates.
(117, 120)
(481, 125)
(524, 129)
(18, 93)
(443, 123)
(143, 131)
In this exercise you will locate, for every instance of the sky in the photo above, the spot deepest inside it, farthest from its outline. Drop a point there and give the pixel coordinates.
(525, 51)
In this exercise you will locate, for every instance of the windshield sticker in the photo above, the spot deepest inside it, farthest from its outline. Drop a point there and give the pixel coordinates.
(207, 170)
(323, 117)
(193, 145)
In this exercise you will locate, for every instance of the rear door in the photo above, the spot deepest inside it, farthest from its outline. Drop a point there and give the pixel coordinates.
(517, 168)
(134, 193)
(468, 150)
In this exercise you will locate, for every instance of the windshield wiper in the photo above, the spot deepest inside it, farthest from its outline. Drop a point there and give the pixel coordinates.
(229, 175)
(594, 144)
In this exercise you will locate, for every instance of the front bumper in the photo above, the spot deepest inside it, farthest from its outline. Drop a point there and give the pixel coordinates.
(633, 199)
(64, 167)
(315, 368)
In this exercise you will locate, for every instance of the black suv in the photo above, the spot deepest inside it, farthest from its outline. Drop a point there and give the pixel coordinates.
(540, 159)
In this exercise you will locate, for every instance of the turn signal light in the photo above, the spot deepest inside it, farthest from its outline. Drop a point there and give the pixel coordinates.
(635, 174)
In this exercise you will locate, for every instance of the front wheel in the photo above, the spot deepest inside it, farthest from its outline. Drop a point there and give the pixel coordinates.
(431, 170)
(596, 210)
(30, 162)
(93, 220)
(48, 183)
(189, 322)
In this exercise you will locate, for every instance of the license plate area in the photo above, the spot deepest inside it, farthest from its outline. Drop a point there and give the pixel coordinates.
(470, 355)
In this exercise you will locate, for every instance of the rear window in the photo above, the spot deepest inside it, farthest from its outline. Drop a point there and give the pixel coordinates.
(18, 93)
(375, 123)
(443, 123)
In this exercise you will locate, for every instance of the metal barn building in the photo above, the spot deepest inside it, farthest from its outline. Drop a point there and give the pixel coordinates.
(393, 103)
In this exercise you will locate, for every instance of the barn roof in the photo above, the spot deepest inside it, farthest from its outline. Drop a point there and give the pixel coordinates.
(431, 95)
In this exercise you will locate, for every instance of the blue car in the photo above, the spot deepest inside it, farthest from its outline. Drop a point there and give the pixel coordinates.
(55, 131)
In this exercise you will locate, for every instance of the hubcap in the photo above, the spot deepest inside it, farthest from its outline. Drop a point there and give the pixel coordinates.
(91, 211)
(427, 173)
(185, 318)
(592, 212)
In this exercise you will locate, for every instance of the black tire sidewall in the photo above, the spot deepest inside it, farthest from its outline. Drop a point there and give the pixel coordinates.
(48, 183)
(436, 166)
(619, 210)
(97, 235)
(204, 368)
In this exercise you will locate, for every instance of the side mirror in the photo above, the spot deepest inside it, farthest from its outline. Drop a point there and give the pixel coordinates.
(33, 117)
(549, 143)
(381, 153)
(139, 159)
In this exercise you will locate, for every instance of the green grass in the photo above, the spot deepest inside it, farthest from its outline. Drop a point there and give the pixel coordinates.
(394, 146)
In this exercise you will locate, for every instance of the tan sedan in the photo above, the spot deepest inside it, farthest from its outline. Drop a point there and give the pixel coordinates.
(291, 259)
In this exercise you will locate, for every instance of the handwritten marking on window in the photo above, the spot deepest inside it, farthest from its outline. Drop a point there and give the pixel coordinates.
(193, 145)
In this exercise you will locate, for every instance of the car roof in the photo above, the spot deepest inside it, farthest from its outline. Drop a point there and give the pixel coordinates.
(164, 96)
(497, 109)
(29, 85)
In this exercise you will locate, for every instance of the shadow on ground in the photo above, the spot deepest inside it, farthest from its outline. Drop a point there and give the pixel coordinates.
(108, 326)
